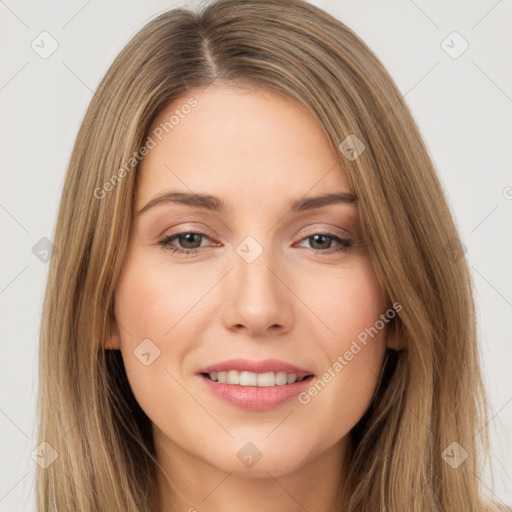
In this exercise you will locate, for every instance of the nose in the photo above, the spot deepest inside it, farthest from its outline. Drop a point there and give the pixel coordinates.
(258, 296)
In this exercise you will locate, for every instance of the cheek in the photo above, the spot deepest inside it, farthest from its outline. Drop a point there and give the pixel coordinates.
(348, 302)
(351, 307)
(156, 304)
(146, 310)
(142, 304)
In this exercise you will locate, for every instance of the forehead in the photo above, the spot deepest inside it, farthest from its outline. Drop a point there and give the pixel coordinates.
(248, 146)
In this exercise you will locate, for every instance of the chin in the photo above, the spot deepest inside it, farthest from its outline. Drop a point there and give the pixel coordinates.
(250, 462)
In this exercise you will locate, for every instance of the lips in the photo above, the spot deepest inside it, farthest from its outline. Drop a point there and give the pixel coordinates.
(264, 366)
(277, 382)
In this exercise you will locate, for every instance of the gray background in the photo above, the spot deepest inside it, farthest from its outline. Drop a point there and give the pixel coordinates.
(463, 106)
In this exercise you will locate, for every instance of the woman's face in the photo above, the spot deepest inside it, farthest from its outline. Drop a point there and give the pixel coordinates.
(254, 280)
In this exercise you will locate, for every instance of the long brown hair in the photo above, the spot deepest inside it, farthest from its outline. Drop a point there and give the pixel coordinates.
(431, 394)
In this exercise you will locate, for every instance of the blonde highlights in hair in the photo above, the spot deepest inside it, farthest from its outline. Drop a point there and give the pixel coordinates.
(431, 393)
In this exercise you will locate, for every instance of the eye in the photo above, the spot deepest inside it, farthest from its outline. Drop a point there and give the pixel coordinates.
(188, 239)
(190, 242)
(322, 242)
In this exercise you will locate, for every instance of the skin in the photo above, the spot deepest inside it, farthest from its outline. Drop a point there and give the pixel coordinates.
(256, 150)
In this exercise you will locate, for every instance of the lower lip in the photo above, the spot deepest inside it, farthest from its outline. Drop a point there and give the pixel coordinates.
(255, 398)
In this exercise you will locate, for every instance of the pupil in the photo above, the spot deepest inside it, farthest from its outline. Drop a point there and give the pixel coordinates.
(189, 239)
(315, 239)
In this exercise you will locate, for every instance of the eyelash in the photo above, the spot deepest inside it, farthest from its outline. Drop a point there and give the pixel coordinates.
(344, 243)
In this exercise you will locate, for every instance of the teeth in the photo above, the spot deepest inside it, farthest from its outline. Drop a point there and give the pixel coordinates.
(291, 378)
(248, 379)
(232, 377)
(255, 379)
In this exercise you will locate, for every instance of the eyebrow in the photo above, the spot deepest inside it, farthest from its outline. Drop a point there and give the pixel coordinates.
(215, 204)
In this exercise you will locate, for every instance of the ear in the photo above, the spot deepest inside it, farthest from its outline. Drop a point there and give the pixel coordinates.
(114, 339)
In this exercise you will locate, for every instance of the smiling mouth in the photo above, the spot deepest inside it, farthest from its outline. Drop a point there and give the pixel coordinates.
(245, 378)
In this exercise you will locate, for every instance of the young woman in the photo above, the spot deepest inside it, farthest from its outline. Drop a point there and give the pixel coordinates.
(259, 299)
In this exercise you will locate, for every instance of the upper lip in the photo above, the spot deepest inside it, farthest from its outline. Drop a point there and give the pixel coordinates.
(263, 366)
